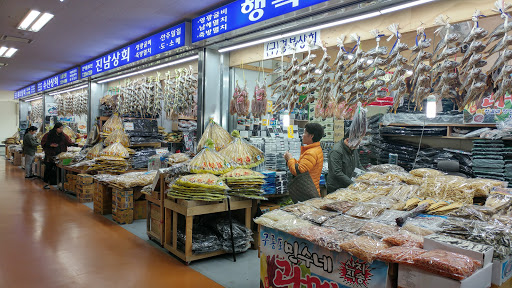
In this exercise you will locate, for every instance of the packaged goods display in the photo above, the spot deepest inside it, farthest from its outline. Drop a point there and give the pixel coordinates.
(177, 158)
(113, 123)
(210, 161)
(206, 187)
(217, 134)
(134, 179)
(245, 183)
(242, 153)
(117, 136)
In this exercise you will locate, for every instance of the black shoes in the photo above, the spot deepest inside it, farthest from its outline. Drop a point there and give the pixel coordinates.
(46, 187)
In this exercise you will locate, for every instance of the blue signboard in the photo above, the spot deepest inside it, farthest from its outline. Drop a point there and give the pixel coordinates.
(27, 91)
(68, 76)
(163, 41)
(243, 13)
(49, 83)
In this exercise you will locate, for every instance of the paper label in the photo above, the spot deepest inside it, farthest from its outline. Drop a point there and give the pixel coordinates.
(128, 126)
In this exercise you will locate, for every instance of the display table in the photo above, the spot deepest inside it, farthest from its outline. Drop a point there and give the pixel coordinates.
(189, 209)
(155, 212)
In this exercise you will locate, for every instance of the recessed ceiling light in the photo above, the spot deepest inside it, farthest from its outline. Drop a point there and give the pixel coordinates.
(29, 19)
(16, 39)
(41, 22)
(2, 50)
(10, 52)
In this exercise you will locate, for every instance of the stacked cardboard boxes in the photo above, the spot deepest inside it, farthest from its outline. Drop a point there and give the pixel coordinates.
(122, 205)
(102, 199)
(70, 184)
(84, 188)
(17, 159)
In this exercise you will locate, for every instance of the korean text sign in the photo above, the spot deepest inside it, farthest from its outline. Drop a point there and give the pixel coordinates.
(243, 13)
(163, 41)
(68, 76)
(288, 261)
(272, 49)
(27, 91)
(49, 83)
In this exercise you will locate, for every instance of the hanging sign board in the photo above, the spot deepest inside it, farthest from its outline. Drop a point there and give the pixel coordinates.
(488, 111)
(242, 13)
(160, 42)
(27, 91)
(272, 49)
(68, 76)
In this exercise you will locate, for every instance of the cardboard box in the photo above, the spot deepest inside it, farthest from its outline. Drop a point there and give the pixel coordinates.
(484, 255)
(85, 179)
(122, 216)
(501, 271)
(71, 177)
(84, 198)
(140, 210)
(412, 277)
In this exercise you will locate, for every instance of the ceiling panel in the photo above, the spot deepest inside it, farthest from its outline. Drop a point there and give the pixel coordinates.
(82, 30)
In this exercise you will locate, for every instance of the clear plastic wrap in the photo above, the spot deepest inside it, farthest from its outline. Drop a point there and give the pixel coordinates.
(241, 173)
(243, 154)
(299, 209)
(499, 201)
(350, 195)
(239, 230)
(118, 136)
(71, 134)
(339, 206)
(207, 181)
(210, 161)
(471, 212)
(404, 238)
(203, 240)
(377, 230)
(282, 220)
(367, 211)
(403, 192)
(345, 223)
(325, 237)
(113, 123)
(385, 168)
(400, 254)
(384, 201)
(134, 179)
(115, 150)
(318, 202)
(219, 135)
(447, 264)
(178, 158)
(389, 217)
(319, 216)
(364, 248)
(464, 244)
(417, 230)
(358, 126)
(426, 173)
(432, 223)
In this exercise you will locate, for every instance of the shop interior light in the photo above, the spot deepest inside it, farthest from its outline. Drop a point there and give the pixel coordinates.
(41, 22)
(10, 52)
(33, 99)
(2, 50)
(286, 120)
(431, 106)
(69, 90)
(29, 19)
(150, 69)
(327, 25)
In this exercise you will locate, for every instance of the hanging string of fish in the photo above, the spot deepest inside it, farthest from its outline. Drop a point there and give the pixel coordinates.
(259, 101)
(421, 81)
(141, 97)
(180, 94)
(72, 104)
(397, 62)
(36, 113)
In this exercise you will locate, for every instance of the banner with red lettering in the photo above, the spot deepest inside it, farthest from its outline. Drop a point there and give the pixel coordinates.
(488, 111)
(288, 261)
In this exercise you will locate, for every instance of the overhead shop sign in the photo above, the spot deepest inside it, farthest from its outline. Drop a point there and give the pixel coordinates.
(298, 42)
(49, 83)
(243, 13)
(27, 91)
(160, 42)
(68, 76)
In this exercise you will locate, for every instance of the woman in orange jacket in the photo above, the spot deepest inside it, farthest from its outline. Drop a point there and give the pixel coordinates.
(311, 156)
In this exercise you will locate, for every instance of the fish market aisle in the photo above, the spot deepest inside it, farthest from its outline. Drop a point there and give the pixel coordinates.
(50, 240)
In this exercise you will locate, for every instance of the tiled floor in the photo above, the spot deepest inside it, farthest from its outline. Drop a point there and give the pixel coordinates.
(49, 240)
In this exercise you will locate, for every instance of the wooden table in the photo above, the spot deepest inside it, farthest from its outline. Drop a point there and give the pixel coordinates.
(189, 209)
(155, 212)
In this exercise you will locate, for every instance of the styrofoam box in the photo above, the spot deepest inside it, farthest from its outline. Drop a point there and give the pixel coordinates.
(501, 271)
(484, 257)
(412, 277)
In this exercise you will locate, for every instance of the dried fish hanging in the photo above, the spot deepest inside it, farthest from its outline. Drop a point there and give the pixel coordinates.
(36, 113)
(421, 81)
(397, 62)
(141, 98)
(259, 101)
(375, 81)
(503, 79)
(240, 104)
(287, 81)
(339, 77)
(74, 104)
(325, 102)
(306, 76)
(180, 94)
(354, 84)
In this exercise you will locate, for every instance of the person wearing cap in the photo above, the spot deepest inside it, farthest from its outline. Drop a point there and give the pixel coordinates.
(54, 143)
(343, 161)
(30, 144)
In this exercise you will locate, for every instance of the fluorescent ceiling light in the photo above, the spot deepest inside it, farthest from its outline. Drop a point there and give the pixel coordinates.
(69, 90)
(149, 69)
(16, 39)
(41, 22)
(37, 98)
(10, 52)
(327, 25)
(2, 50)
(31, 16)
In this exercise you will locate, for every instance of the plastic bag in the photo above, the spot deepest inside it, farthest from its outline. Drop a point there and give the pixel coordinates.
(134, 179)
(282, 220)
(210, 161)
(339, 206)
(239, 230)
(417, 230)
(217, 134)
(385, 168)
(364, 210)
(483, 187)
(470, 212)
(404, 238)
(400, 254)
(207, 181)
(345, 223)
(377, 230)
(317, 202)
(463, 244)
(447, 264)
(118, 136)
(203, 240)
(325, 237)
(364, 248)
(299, 209)
(243, 154)
(178, 158)
(113, 123)
(426, 173)
(115, 150)
(240, 173)
(432, 223)
(499, 201)
(358, 127)
(319, 216)
(389, 217)
(71, 134)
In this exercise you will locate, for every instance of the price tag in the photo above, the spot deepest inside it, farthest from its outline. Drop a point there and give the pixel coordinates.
(128, 126)
(290, 131)
(264, 122)
(269, 106)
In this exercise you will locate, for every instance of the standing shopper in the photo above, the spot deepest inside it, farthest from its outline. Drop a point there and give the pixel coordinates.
(343, 160)
(30, 144)
(54, 143)
(311, 156)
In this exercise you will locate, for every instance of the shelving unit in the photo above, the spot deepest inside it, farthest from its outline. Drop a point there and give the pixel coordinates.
(449, 130)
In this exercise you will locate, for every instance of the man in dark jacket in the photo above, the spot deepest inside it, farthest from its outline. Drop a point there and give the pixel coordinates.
(343, 160)
(53, 143)
(30, 144)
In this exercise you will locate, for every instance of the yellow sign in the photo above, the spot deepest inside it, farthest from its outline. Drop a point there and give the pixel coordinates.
(290, 131)
(269, 106)
(264, 122)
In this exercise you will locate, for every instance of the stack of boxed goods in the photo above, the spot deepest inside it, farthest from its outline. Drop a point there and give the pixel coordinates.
(17, 159)
(489, 158)
(122, 205)
(269, 188)
(281, 183)
(102, 199)
(84, 188)
(70, 185)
